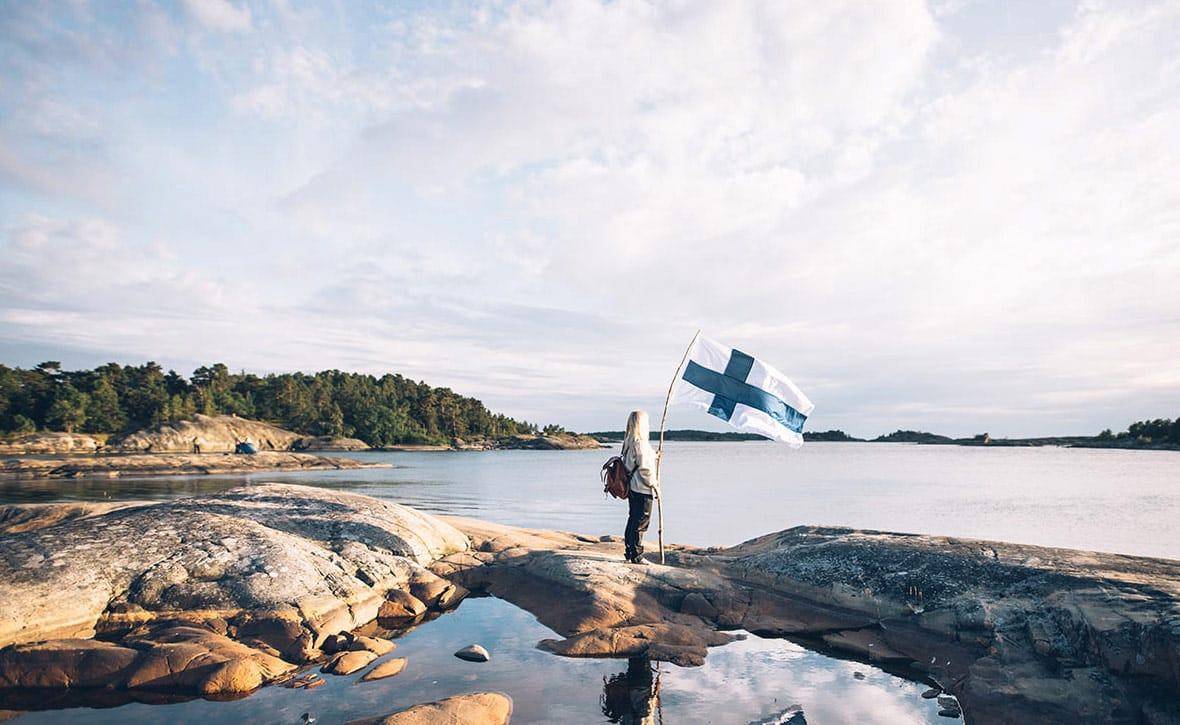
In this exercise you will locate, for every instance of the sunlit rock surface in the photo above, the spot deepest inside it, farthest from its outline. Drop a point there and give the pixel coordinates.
(477, 708)
(212, 433)
(1017, 633)
(276, 567)
(213, 593)
(49, 442)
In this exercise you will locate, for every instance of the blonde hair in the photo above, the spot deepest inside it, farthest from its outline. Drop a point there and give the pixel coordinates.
(638, 428)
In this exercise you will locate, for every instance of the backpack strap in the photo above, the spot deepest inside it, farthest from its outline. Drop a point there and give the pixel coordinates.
(623, 456)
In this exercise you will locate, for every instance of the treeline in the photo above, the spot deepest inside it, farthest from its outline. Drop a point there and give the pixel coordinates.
(1147, 432)
(116, 399)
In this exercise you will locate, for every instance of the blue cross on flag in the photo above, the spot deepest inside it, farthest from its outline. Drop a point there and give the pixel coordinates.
(744, 392)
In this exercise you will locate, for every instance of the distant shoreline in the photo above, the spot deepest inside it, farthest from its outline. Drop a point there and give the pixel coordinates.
(912, 437)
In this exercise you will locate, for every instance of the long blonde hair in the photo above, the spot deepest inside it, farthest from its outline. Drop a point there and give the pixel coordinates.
(638, 429)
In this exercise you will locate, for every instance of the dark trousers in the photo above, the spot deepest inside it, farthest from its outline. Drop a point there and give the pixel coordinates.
(638, 519)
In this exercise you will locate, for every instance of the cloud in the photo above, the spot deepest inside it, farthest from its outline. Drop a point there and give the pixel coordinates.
(220, 16)
(950, 218)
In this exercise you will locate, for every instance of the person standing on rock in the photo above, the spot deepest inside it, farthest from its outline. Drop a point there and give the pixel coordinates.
(640, 460)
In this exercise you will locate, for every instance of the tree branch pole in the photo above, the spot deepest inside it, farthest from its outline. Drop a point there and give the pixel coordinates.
(660, 450)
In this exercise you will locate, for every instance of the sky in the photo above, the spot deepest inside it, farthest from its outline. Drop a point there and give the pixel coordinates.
(954, 216)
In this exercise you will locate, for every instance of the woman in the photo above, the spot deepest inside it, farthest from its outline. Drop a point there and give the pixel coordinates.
(640, 460)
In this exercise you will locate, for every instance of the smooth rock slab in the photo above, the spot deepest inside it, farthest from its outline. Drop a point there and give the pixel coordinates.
(46, 442)
(173, 659)
(346, 663)
(473, 653)
(377, 645)
(1020, 633)
(301, 562)
(213, 433)
(388, 668)
(477, 708)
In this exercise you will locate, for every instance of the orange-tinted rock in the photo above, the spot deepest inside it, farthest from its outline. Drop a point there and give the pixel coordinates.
(376, 645)
(388, 668)
(477, 708)
(346, 663)
(400, 607)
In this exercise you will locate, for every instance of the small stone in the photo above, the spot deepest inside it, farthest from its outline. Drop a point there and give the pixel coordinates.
(949, 706)
(858, 675)
(932, 693)
(346, 663)
(376, 645)
(473, 653)
(388, 668)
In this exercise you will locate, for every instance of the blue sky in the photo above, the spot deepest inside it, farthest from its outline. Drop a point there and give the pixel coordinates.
(958, 216)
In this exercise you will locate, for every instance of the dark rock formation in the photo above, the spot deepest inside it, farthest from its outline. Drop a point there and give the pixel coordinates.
(473, 653)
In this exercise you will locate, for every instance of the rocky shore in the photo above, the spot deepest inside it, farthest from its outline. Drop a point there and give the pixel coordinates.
(224, 593)
(222, 433)
(171, 464)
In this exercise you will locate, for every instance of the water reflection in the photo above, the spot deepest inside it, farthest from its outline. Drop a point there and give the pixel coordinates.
(752, 680)
(632, 697)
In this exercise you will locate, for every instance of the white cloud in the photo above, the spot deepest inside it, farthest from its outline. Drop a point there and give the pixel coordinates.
(948, 218)
(219, 15)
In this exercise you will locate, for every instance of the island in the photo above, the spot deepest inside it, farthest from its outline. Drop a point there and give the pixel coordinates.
(139, 421)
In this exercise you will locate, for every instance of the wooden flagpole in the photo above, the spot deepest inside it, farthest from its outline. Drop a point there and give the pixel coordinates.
(660, 450)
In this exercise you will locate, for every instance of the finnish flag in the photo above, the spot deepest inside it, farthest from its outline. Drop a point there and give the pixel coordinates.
(744, 392)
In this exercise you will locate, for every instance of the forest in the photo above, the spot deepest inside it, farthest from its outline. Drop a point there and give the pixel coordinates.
(116, 399)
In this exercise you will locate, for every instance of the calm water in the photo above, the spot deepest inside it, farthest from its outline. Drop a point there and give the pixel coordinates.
(724, 493)
(716, 494)
(746, 681)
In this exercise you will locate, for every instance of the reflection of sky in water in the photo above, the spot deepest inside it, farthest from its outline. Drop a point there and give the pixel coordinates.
(760, 678)
(741, 682)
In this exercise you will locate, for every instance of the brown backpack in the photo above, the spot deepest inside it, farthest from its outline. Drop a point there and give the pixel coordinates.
(616, 478)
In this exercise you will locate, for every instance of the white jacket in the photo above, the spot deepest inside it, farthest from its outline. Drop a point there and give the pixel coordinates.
(643, 464)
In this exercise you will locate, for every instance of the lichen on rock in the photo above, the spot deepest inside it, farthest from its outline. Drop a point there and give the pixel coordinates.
(274, 570)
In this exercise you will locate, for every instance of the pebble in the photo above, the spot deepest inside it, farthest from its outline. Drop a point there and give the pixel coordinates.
(389, 668)
(473, 653)
(949, 706)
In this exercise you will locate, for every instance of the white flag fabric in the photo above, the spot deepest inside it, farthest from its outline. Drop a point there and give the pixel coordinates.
(744, 392)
